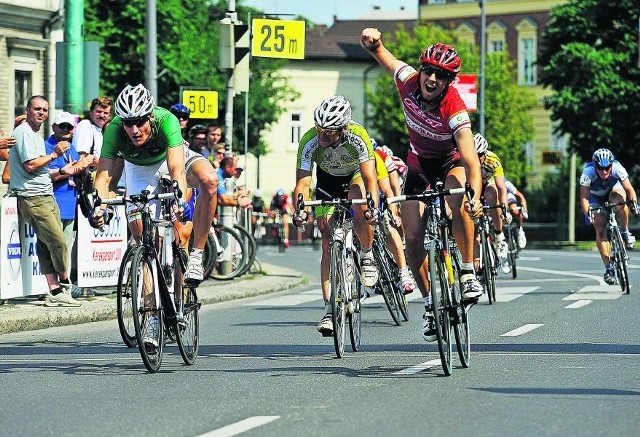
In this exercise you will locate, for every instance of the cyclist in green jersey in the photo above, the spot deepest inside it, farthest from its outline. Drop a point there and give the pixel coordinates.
(344, 157)
(148, 139)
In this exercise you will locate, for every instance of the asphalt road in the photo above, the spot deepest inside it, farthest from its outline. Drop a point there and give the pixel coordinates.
(558, 354)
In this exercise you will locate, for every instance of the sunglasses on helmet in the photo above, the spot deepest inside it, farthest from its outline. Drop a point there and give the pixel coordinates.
(138, 122)
(440, 73)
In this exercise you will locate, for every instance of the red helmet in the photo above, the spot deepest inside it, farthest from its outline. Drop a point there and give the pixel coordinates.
(442, 56)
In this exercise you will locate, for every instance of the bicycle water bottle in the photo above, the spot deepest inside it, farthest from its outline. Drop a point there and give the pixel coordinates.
(449, 266)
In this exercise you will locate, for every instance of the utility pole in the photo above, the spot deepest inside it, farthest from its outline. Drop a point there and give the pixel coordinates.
(483, 59)
(151, 65)
(74, 47)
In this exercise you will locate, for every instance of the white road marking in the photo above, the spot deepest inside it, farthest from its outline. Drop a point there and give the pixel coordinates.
(506, 294)
(288, 300)
(418, 368)
(596, 292)
(579, 303)
(522, 330)
(528, 258)
(240, 427)
(598, 279)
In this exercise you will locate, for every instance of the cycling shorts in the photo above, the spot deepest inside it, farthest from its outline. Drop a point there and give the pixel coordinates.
(424, 172)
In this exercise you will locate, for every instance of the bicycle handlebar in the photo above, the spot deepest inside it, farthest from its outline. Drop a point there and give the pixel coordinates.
(430, 194)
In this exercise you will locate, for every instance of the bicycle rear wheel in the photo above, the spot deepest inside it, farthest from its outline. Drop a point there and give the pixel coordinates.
(148, 322)
(188, 325)
(439, 289)
(355, 310)
(619, 259)
(338, 297)
(123, 300)
(386, 282)
(251, 245)
(228, 263)
(459, 316)
(488, 273)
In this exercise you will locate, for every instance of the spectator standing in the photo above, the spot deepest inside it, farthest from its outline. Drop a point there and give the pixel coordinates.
(65, 190)
(228, 170)
(198, 140)
(30, 178)
(87, 136)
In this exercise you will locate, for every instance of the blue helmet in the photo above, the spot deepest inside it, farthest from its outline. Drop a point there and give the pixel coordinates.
(602, 158)
(180, 110)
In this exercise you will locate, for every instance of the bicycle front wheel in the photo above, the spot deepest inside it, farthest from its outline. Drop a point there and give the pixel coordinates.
(148, 316)
(513, 250)
(488, 274)
(355, 309)
(459, 316)
(338, 297)
(386, 282)
(251, 245)
(439, 289)
(619, 259)
(123, 300)
(188, 325)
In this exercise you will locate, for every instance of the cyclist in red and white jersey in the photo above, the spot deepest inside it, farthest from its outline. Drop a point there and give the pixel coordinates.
(441, 147)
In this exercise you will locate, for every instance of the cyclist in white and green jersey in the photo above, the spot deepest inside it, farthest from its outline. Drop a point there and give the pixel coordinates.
(345, 167)
(146, 140)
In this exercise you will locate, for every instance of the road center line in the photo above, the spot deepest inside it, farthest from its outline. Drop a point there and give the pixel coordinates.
(522, 330)
(579, 303)
(240, 427)
(418, 368)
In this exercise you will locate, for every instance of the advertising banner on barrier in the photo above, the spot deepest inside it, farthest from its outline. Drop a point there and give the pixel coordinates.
(100, 253)
(20, 267)
(10, 269)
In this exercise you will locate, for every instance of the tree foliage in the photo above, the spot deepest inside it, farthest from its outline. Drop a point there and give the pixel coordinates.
(187, 55)
(590, 60)
(508, 123)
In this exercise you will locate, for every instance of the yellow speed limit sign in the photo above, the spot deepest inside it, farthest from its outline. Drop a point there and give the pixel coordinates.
(277, 39)
(202, 104)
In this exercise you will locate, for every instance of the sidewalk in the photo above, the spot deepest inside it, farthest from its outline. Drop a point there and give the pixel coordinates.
(28, 314)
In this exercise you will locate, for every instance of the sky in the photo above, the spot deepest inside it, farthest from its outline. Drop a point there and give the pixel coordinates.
(322, 11)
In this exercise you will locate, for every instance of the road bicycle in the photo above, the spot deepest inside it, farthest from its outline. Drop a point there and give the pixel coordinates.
(278, 230)
(449, 310)
(510, 234)
(148, 271)
(389, 283)
(488, 256)
(259, 229)
(618, 250)
(346, 290)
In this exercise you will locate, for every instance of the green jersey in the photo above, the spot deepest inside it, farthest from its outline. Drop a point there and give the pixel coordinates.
(165, 134)
(341, 160)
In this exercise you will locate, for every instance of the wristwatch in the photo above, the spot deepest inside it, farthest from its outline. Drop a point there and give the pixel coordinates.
(61, 172)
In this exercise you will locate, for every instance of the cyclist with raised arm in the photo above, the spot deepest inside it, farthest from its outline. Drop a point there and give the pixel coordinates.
(148, 139)
(441, 148)
(605, 179)
(518, 209)
(344, 157)
(493, 190)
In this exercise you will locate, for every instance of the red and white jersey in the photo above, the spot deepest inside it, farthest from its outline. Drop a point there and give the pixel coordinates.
(430, 133)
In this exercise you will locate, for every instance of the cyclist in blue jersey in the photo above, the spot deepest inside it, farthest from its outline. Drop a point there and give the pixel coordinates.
(604, 179)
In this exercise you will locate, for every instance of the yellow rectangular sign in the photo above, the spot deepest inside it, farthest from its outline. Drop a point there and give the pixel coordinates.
(202, 104)
(277, 38)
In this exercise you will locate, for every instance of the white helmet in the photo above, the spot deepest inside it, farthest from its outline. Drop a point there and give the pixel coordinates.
(333, 113)
(134, 102)
(387, 150)
(481, 143)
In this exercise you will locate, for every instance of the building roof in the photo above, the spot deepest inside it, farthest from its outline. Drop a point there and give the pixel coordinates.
(342, 40)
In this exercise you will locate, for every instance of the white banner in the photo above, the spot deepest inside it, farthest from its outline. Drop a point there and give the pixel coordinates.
(20, 268)
(100, 253)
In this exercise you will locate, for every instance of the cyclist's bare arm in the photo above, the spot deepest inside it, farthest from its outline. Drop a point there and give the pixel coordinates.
(628, 188)
(107, 174)
(584, 199)
(469, 157)
(303, 185)
(502, 190)
(175, 165)
(370, 178)
(370, 40)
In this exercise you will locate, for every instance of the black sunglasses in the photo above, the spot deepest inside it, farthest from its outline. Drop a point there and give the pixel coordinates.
(603, 168)
(139, 122)
(65, 126)
(440, 73)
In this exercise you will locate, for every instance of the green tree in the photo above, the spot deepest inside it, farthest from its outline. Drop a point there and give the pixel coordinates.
(508, 124)
(590, 60)
(187, 54)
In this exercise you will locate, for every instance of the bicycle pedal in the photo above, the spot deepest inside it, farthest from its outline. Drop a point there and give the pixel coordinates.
(193, 283)
(327, 333)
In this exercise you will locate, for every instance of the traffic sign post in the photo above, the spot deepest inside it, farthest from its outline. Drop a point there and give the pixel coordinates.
(277, 38)
(201, 103)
